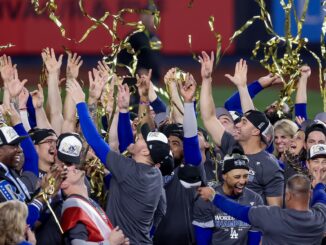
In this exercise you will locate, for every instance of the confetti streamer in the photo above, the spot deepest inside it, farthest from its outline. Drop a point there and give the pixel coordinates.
(218, 38)
(9, 45)
(284, 63)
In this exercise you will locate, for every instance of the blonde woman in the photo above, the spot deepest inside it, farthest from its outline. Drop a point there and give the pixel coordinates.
(14, 230)
(284, 130)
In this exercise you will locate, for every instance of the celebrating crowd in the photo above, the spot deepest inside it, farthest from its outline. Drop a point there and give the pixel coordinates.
(77, 170)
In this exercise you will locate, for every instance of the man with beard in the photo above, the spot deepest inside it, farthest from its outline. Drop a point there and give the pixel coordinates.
(254, 132)
(175, 227)
(83, 220)
(11, 186)
(213, 226)
(174, 132)
(298, 223)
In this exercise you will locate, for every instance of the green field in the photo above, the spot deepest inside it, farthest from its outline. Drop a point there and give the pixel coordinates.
(263, 99)
(266, 97)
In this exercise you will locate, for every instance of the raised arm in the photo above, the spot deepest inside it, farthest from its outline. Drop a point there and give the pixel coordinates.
(191, 148)
(301, 96)
(38, 100)
(207, 106)
(93, 138)
(177, 105)
(233, 103)
(30, 154)
(23, 98)
(155, 101)
(74, 63)
(143, 84)
(54, 98)
(239, 79)
(124, 126)
(12, 84)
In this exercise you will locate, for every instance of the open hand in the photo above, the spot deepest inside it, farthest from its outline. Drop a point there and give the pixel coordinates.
(76, 91)
(73, 65)
(123, 97)
(6, 68)
(239, 78)
(52, 64)
(96, 85)
(15, 86)
(206, 65)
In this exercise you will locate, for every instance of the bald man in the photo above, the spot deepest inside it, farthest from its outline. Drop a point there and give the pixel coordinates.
(296, 224)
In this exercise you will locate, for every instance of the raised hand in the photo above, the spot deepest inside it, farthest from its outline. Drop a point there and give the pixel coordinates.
(38, 97)
(188, 89)
(169, 76)
(299, 120)
(206, 65)
(96, 85)
(318, 175)
(270, 80)
(51, 182)
(52, 64)
(23, 98)
(305, 71)
(14, 115)
(15, 86)
(103, 69)
(240, 74)
(76, 91)
(6, 68)
(143, 83)
(123, 97)
(73, 64)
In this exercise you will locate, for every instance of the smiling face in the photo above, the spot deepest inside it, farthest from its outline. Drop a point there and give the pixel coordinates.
(235, 181)
(297, 143)
(282, 141)
(46, 149)
(10, 155)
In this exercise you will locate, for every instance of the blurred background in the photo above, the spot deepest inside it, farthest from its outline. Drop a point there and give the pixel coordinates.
(30, 33)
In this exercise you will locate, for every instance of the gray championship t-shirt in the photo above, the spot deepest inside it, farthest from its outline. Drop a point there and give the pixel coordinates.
(226, 229)
(265, 175)
(287, 226)
(135, 192)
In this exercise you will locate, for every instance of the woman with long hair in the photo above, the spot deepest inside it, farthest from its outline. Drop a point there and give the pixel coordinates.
(13, 226)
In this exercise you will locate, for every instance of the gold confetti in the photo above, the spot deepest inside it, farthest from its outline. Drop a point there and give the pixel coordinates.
(218, 38)
(9, 45)
(286, 64)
